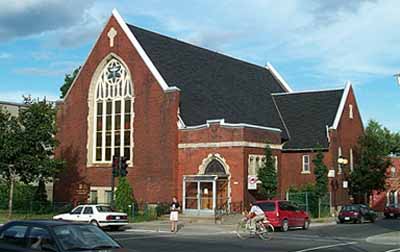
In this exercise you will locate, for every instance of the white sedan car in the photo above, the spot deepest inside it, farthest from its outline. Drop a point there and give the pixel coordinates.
(100, 215)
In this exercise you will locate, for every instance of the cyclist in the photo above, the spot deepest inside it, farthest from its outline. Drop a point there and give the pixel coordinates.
(255, 215)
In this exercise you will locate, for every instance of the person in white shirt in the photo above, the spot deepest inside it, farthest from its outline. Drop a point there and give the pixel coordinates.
(255, 215)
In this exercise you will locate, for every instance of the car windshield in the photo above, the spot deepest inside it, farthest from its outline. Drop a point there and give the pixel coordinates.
(104, 209)
(351, 208)
(83, 237)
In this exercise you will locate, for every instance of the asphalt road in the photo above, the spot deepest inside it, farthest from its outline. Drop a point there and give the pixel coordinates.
(341, 237)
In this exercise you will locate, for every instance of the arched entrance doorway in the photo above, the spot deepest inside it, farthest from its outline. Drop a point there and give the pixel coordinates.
(207, 192)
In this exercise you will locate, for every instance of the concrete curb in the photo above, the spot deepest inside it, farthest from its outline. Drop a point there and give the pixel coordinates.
(322, 224)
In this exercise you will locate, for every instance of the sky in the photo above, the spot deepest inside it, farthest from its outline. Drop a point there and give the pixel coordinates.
(314, 44)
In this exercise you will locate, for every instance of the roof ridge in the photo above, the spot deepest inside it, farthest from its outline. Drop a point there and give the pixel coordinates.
(202, 48)
(309, 91)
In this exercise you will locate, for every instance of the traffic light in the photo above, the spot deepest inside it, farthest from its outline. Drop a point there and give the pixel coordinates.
(115, 166)
(123, 167)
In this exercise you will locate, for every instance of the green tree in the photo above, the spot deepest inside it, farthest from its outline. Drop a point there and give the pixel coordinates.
(321, 174)
(68, 80)
(371, 162)
(11, 147)
(27, 144)
(321, 178)
(267, 175)
(38, 122)
(123, 195)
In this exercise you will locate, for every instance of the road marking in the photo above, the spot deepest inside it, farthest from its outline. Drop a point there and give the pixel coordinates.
(327, 246)
(141, 238)
(393, 250)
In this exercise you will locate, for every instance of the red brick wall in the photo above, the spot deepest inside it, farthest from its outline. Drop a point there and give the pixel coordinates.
(219, 133)
(155, 128)
(236, 158)
(346, 136)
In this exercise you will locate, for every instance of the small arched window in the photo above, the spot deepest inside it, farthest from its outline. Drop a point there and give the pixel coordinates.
(215, 168)
(113, 112)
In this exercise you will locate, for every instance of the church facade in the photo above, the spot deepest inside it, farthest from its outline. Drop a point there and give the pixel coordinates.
(194, 124)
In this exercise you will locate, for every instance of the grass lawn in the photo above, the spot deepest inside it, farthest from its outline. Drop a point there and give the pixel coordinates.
(24, 216)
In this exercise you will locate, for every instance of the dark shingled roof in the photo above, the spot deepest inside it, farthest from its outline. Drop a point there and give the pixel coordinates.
(213, 86)
(306, 115)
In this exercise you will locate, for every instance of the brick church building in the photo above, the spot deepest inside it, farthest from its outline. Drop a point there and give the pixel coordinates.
(193, 123)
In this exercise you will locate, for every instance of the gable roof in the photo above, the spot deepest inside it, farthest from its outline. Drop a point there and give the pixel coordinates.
(213, 85)
(307, 116)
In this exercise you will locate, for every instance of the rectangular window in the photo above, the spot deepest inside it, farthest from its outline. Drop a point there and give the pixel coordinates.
(351, 111)
(93, 196)
(276, 163)
(107, 197)
(127, 106)
(351, 160)
(340, 169)
(306, 164)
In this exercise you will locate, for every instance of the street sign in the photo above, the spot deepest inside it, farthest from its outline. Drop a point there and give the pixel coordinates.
(252, 183)
(331, 174)
(345, 184)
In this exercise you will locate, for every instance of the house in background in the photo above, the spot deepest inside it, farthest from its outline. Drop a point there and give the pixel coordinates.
(194, 124)
(392, 194)
(13, 108)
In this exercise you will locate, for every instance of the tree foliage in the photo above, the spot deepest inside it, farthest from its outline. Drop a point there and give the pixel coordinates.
(123, 195)
(321, 174)
(267, 175)
(27, 143)
(37, 160)
(11, 143)
(371, 161)
(68, 80)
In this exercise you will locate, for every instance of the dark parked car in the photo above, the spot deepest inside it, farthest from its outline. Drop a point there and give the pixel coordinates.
(356, 213)
(392, 211)
(55, 236)
(284, 214)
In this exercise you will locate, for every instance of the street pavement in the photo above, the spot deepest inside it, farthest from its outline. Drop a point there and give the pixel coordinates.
(381, 236)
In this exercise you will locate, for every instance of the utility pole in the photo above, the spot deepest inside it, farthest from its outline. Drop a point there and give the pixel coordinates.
(11, 195)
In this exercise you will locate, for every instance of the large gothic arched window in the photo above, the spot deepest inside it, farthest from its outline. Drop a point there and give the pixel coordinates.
(113, 112)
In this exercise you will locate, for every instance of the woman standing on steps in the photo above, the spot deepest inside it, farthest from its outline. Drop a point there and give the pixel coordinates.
(174, 208)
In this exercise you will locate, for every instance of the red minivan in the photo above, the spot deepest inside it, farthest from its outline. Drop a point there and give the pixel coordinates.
(284, 214)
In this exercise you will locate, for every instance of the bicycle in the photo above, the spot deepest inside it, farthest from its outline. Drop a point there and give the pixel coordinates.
(264, 229)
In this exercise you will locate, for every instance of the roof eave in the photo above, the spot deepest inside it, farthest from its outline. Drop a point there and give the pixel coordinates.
(279, 78)
(341, 106)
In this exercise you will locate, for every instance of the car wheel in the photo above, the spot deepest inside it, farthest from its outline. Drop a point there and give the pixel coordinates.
(373, 219)
(306, 224)
(285, 226)
(94, 222)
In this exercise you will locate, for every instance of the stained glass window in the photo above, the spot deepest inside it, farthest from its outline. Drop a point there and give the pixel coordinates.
(113, 115)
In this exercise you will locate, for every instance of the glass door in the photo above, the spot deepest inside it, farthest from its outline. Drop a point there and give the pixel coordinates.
(206, 195)
(191, 195)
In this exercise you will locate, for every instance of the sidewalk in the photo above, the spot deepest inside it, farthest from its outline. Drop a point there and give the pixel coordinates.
(185, 227)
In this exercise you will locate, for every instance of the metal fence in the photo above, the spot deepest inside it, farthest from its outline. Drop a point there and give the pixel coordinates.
(317, 207)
